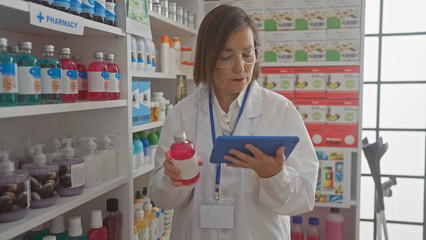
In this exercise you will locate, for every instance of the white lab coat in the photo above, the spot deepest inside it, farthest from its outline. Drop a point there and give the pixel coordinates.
(262, 206)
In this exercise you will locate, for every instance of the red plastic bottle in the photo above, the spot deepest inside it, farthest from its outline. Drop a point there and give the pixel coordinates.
(184, 157)
(98, 78)
(334, 225)
(69, 76)
(113, 220)
(313, 231)
(82, 78)
(114, 78)
(97, 231)
(296, 229)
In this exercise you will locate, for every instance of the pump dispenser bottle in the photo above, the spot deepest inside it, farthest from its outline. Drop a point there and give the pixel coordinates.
(44, 179)
(71, 171)
(93, 163)
(57, 228)
(9, 91)
(183, 156)
(109, 158)
(55, 149)
(75, 231)
(26, 154)
(113, 221)
(13, 183)
(97, 231)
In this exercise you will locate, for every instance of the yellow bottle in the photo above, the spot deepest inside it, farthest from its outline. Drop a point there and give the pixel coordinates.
(142, 225)
(138, 202)
(157, 211)
(151, 216)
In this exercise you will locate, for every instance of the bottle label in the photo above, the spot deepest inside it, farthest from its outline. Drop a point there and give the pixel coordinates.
(140, 50)
(62, 3)
(8, 78)
(29, 80)
(51, 80)
(77, 175)
(69, 82)
(188, 167)
(133, 57)
(114, 82)
(100, 8)
(88, 6)
(75, 5)
(111, 13)
(152, 230)
(143, 233)
(98, 81)
(82, 81)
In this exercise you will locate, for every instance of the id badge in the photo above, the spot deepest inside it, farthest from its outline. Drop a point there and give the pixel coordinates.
(217, 214)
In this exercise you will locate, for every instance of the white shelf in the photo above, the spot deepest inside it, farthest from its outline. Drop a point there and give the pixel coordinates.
(162, 24)
(155, 75)
(37, 216)
(147, 126)
(307, 64)
(23, 111)
(143, 170)
(14, 16)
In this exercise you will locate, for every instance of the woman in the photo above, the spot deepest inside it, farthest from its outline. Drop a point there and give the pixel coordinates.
(262, 190)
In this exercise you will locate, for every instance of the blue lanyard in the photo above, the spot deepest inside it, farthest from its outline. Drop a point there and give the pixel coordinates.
(217, 186)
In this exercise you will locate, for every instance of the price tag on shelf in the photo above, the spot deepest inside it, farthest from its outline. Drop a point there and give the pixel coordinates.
(50, 18)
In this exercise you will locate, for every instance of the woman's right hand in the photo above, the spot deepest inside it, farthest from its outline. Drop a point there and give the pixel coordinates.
(172, 171)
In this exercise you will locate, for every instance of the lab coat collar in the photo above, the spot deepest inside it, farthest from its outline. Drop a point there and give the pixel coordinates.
(245, 125)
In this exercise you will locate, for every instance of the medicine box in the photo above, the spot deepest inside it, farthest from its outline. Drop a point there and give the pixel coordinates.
(310, 46)
(255, 9)
(342, 115)
(343, 44)
(280, 80)
(145, 102)
(312, 112)
(343, 14)
(311, 14)
(280, 46)
(345, 139)
(279, 14)
(317, 137)
(310, 82)
(135, 103)
(343, 82)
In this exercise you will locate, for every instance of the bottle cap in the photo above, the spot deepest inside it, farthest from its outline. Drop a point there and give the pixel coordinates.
(176, 39)
(157, 94)
(96, 219)
(6, 166)
(37, 228)
(138, 195)
(50, 237)
(313, 221)
(142, 134)
(48, 48)
(136, 136)
(170, 44)
(3, 42)
(184, 48)
(90, 145)
(98, 55)
(179, 136)
(68, 149)
(64, 51)
(25, 45)
(106, 141)
(334, 210)
(165, 39)
(75, 229)
(297, 220)
(153, 139)
(13, 49)
(56, 145)
(145, 191)
(39, 157)
(112, 204)
(57, 225)
(109, 56)
(76, 57)
(139, 214)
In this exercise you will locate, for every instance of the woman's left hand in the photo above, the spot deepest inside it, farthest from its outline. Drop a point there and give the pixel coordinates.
(264, 165)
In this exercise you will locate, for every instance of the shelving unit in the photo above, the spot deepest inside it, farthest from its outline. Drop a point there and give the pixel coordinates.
(308, 64)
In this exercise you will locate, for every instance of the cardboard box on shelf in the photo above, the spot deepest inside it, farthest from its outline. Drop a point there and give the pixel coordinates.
(342, 115)
(343, 82)
(279, 14)
(311, 14)
(145, 101)
(280, 80)
(135, 103)
(343, 14)
(279, 46)
(255, 9)
(310, 46)
(343, 139)
(343, 44)
(310, 82)
(317, 137)
(312, 112)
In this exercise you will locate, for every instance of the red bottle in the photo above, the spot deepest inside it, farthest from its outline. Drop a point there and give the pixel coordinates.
(69, 76)
(97, 231)
(313, 231)
(114, 78)
(296, 229)
(82, 78)
(98, 78)
(184, 157)
(113, 220)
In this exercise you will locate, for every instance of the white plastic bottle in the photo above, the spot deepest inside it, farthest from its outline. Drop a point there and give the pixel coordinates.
(164, 52)
(153, 57)
(133, 53)
(93, 163)
(148, 55)
(153, 142)
(152, 220)
(109, 158)
(140, 54)
(158, 97)
(334, 225)
(177, 48)
(172, 58)
(55, 149)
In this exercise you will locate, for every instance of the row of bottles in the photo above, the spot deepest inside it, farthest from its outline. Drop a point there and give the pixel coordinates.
(108, 228)
(33, 180)
(144, 148)
(104, 11)
(28, 80)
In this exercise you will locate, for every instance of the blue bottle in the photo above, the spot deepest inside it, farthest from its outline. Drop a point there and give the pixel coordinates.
(36, 233)
(138, 150)
(51, 80)
(100, 11)
(8, 69)
(145, 143)
(75, 7)
(48, 3)
(28, 76)
(87, 8)
(63, 5)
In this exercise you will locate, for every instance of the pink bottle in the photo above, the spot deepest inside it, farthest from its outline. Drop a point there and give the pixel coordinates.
(296, 229)
(98, 78)
(69, 76)
(114, 78)
(113, 220)
(82, 78)
(334, 225)
(184, 157)
(313, 231)
(97, 231)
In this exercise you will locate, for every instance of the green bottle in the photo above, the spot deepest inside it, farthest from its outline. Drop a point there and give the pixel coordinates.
(51, 81)
(8, 69)
(28, 76)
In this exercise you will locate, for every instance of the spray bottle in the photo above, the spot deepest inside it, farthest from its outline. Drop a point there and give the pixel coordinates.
(109, 158)
(93, 163)
(44, 179)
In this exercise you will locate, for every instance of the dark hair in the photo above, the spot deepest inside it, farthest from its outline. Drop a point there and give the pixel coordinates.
(213, 33)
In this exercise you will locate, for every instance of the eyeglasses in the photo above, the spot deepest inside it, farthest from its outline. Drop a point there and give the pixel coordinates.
(227, 58)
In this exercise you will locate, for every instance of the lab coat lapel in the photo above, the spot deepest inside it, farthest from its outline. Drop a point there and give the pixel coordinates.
(252, 110)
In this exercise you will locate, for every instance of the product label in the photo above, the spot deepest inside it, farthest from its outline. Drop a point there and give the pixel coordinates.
(77, 175)
(188, 167)
(280, 15)
(152, 230)
(75, 5)
(51, 80)
(143, 233)
(29, 80)
(8, 77)
(111, 13)
(69, 82)
(100, 8)
(98, 81)
(82, 81)
(62, 3)
(114, 82)
(88, 6)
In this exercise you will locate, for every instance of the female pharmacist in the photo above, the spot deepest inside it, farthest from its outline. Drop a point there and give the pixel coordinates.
(256, 194)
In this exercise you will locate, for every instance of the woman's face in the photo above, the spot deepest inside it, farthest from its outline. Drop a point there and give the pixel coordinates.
(233, 80)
